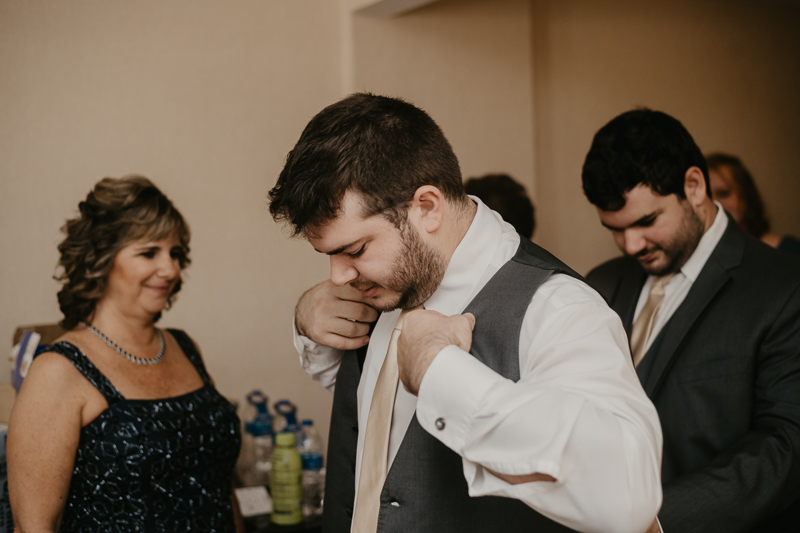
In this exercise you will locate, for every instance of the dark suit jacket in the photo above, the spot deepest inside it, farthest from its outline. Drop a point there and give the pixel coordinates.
(724, 375)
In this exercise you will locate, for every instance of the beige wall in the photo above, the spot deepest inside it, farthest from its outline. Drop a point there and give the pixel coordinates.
(204, 98)
(466, 62)
(730, 71)
(207, 97)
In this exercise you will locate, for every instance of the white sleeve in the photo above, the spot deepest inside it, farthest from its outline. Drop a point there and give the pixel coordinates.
(320, 362)
(578, 413)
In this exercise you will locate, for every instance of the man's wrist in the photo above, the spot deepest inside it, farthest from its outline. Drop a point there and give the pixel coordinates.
(420, 370)
(452, 390)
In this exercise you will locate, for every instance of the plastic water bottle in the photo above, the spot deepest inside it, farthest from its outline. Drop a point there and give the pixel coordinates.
(287, 491)
(256, 470)
(255, 464)
(262, 453)
(310, 449)
(286, 418)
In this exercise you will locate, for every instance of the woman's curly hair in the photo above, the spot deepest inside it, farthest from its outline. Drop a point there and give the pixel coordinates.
(116, 213)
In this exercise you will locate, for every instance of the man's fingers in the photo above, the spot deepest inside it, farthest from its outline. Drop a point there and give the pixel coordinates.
(349, 328)
(462, 332)
(343, 343)
(356, 311)
(346, 292)
(337, 304)
(471, 319)
(518, 480)
(424, 334)
(327, 313)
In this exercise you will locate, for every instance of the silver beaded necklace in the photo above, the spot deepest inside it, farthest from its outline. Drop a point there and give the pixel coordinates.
(130, 357)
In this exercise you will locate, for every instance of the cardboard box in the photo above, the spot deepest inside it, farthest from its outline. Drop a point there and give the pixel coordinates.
(49, 332)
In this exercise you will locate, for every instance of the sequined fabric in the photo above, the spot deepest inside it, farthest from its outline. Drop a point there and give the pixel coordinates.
(153, 465)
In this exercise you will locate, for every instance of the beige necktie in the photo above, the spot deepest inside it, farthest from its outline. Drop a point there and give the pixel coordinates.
(376, 439)
(647, 317)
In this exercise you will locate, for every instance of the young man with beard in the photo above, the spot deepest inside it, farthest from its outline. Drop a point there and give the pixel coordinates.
(714, 322)
(516, 380)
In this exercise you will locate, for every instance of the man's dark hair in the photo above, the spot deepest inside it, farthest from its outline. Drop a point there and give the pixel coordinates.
(639, 147)
(383, 148)
(754, 218)
(502, 194)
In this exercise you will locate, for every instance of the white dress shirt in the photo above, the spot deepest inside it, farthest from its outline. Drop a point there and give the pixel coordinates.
(678, 287)
(578, 412)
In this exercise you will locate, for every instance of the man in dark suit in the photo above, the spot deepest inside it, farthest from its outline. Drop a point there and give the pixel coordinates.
(714, 321)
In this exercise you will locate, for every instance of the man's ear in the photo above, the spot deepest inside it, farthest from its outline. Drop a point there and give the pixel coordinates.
(427, 208)
(694, 186)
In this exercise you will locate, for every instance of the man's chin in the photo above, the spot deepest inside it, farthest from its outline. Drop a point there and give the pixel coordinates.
(385, 308)
(385, 302)
(658, 268)
(390, 302)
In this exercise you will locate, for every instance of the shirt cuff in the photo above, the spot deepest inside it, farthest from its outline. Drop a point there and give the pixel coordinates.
(320, 362)
(450, 393)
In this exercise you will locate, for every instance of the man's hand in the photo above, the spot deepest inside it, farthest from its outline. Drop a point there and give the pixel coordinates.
(424, 335)
(337, 317)
(654, 527)
(527, 478)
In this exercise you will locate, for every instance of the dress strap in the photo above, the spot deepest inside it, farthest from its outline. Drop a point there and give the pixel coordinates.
(191, 352)
(87, 368)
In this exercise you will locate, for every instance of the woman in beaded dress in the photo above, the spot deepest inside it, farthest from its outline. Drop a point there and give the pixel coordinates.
(117, 426)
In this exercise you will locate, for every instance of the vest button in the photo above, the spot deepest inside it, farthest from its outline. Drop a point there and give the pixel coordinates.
(440, 423)
(394, 504)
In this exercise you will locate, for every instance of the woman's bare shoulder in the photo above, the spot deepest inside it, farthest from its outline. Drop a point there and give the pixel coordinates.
(51, 372)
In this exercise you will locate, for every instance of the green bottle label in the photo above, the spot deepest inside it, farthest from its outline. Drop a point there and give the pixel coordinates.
(286, 485)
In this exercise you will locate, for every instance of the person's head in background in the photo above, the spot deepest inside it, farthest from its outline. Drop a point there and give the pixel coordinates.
(733, 187)
(374, 184)
(117, 213)
(502, 194)
(649, 182)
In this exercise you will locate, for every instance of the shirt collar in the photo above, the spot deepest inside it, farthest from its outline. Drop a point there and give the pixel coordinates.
(691, 269)
(471, 258)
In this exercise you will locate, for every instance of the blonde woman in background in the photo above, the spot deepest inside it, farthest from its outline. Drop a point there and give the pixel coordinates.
(118, 426)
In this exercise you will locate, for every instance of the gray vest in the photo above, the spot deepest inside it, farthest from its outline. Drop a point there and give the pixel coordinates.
(425, 489)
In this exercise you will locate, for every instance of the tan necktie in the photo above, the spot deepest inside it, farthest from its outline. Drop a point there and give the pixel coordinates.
(647, 317)
(376, 439)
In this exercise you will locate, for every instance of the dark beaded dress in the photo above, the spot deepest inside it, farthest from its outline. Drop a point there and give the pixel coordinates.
(153, 465)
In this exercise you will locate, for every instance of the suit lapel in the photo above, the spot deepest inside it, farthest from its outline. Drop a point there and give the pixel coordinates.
(711, 280)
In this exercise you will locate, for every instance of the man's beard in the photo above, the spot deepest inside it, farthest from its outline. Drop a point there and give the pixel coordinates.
(680, 248)
(418, 272)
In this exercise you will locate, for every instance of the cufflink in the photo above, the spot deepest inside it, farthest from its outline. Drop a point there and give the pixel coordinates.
(439, 423)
